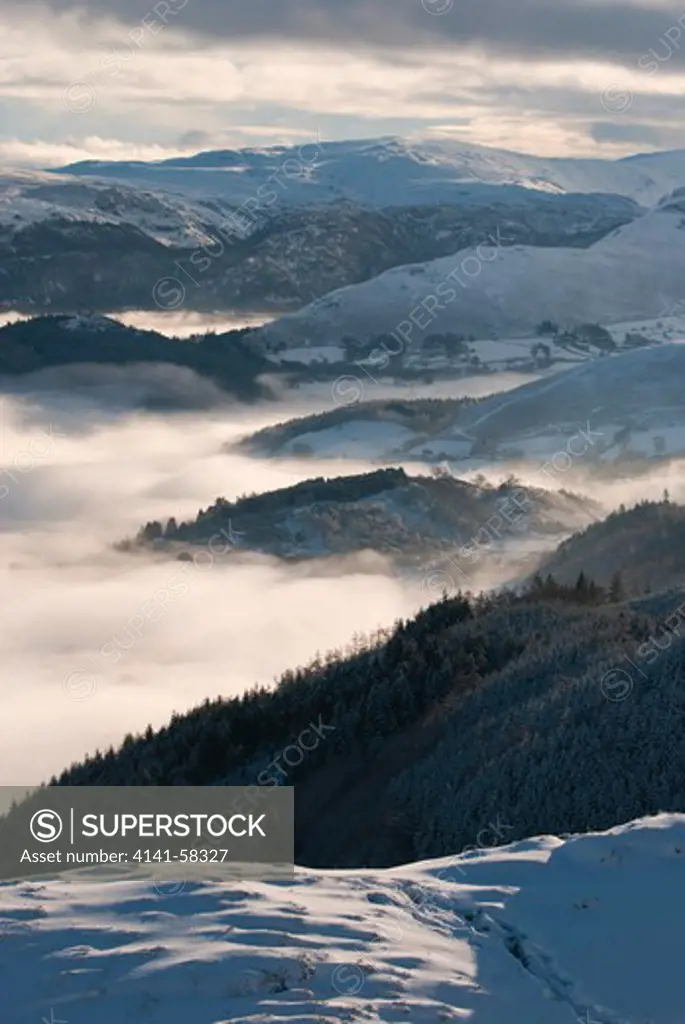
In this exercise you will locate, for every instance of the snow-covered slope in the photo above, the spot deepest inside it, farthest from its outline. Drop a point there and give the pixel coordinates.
(633, 387)
(31, 197)
(389, 171)
(67, 243)
(587, 929)
(635, 271)
(633, 404)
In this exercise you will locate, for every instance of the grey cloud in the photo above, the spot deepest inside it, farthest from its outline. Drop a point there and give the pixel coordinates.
(609, 131)
(619, 29)
(195, 140)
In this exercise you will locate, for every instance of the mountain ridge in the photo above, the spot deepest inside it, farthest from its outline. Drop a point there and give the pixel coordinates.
(123, 242)
(395, 169)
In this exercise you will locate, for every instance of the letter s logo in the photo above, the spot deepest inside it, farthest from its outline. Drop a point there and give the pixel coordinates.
(46, 826)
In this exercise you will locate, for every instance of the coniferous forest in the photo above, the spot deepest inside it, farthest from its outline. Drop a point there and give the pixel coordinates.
(536, 710)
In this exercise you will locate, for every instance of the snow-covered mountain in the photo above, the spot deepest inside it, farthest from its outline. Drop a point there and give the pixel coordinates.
(31, 197)
(493, 289)
(63, 238)
(275, 228)
(394, 171)
(586, 929)
(67, 243)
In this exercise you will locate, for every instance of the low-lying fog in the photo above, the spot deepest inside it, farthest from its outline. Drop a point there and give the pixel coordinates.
(181, 324)
(349, 390)
(96, 643)
(74, 482)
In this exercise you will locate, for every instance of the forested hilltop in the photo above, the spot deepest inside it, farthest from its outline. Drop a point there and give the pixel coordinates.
(645, 545)
(541, 711)
(50, 341)
(412, 520)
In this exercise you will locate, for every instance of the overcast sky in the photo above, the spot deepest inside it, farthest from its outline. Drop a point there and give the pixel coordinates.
(127, 78)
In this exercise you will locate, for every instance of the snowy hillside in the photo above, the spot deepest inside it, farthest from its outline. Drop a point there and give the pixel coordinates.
(128, 246)
(635, 271)
(587, 929)
(632, 402)
(410, 521)
(395, 171)
(31, 197)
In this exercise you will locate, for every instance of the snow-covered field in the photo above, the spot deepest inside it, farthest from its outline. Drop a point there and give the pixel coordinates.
(321, 396)
(670, 326)
(359, 439)
(587, 929)
(632, 403)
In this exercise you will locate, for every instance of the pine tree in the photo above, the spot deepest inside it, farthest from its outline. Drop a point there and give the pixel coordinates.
(616, 589)
(581, 587)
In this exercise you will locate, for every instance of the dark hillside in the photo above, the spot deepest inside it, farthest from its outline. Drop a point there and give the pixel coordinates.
(542, 709)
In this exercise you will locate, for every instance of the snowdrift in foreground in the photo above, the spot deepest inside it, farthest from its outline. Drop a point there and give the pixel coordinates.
(546, 931)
